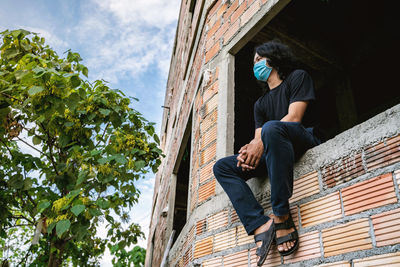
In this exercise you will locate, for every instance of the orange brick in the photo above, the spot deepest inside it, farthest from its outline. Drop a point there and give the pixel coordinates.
(221, 31)
(238, 259)
(206, 172)
(249, 13)
(208, 121)
(221, 10)
(231, 9)
(217, 220)
(208, 137)
(200, 227)
(309, 248)
(387, 228)
(383, 154)
(387, 260)
(214, 262)
(234, 216)
(209, 153)
(242, 236)
(321, 210)
(337, 264)
(305, 186)
(203, 247)
(215, 7)
(233, 29)
(206, 190)
(264, 1)
(273, 259)
(188, 256)
(295, 216)
(210, 91)
(212, 52)
(343, 170)
(214, 28)
(238, 12)
(352, 236)
(373, 193)
(209, 106)
(225, 240)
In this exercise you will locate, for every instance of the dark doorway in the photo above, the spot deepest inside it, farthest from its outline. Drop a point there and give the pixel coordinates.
(182, 182)
(350, 49)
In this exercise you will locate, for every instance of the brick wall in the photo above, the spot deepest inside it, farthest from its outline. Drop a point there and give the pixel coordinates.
(346, 210)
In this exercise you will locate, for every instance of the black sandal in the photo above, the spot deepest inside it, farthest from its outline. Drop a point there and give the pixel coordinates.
(267, 238)
(293, 236)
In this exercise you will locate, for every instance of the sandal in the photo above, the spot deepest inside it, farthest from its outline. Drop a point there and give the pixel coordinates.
(293, 236)
(267, 238)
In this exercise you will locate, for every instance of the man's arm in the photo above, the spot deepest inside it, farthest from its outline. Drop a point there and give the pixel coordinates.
(296, 111)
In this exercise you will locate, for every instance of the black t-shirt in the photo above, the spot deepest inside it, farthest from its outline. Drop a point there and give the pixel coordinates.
(274, 104)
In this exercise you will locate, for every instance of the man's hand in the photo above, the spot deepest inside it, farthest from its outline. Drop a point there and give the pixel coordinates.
(250, 155)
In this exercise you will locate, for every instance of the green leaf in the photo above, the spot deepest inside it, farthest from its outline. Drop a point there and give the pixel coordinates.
(35, 90)
(36, 140)
(139, 164)
(120, 159)
(103, 203)
(75, 81)
(76, 210)
(62, 226)
(73, 193)
(102, 160)
(69, 124)
(105, 112)
(156, 139)
(95, 212)
(85, 71)
(44, 204)
(81, 177)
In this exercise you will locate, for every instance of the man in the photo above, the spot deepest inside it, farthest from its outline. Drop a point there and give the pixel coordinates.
(279, 139)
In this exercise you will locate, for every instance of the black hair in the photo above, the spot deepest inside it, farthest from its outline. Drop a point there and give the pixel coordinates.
(279, 56)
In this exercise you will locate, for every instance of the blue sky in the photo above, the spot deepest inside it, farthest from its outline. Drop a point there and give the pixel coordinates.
(125, 42)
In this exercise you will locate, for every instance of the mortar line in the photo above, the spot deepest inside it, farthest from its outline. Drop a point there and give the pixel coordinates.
(321, 244)
(372, 232)
(396, 186)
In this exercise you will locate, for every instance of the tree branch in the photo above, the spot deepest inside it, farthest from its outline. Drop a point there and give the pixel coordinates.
(108, 124)
(50, 144)
(26, 143)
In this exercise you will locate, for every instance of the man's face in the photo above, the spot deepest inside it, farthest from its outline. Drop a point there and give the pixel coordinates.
(258, 58)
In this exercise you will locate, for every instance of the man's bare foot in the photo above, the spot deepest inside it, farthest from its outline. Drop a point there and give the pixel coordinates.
(279, 233)
(260, 230)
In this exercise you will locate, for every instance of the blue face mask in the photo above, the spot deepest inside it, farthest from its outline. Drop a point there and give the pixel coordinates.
(261, 70)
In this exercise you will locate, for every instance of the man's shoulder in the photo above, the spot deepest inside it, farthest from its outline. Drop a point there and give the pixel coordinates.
(297, 73)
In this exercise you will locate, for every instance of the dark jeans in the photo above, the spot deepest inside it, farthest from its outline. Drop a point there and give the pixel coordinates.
(284, 142)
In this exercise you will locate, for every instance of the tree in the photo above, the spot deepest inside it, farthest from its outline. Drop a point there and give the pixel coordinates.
(90, 148)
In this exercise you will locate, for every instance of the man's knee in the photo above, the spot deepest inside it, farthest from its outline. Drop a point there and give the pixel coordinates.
(219, 166)
(271, 129)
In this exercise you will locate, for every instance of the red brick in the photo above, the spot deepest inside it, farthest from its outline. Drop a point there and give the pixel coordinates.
(234, 217)
(336, 264)
(206, 172)
(221, 31)
(238, 259)
(233, 29)
(309, 248)
(213, 29)
(212, 52)
(209, 153)
(387, 260)
(208, 121)
(200, 227)
(222, 9)
(208, 137)
(217, 220)
(215, 7)
(203, 247)
(225, 240)
(352, 236)
(210, 91)
(206, 190)
(231, 9)
(373, 193)
(383, 154)
(343, 170)
(321, 210)
(305, 186)
(242, 237)
(209, 106)
(238, 12)
(387, 228)
(214, 262)
(249, 13)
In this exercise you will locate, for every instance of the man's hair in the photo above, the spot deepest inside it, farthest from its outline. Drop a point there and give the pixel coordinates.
(279, 56)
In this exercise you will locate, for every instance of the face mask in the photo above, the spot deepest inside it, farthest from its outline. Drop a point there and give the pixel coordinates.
(261, 70)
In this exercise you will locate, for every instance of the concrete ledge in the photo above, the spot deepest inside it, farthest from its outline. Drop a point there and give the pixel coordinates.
(383, 125)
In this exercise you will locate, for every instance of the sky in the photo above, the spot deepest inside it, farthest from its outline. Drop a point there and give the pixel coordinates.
(128, 43)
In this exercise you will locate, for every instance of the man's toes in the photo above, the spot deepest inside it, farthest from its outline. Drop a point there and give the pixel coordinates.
(280, 247)
(285, 247)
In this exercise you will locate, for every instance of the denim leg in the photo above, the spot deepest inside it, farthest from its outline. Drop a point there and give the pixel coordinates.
(283, 143)
(233, 181)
